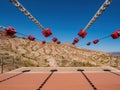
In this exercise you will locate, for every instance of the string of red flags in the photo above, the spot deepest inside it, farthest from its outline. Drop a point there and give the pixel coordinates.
(58, 42)
(54, 39)
(114, 35)
(10, 31)
(46, 32)
(82, 33)
(43, 42)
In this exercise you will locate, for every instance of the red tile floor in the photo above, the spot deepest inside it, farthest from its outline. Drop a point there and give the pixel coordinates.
(79, 80)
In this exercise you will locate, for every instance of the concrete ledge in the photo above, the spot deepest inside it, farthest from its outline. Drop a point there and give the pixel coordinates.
(63, 69)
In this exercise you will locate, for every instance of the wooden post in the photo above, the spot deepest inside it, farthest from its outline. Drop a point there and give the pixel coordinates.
(2, 65)
(13, 63)
(117, 62)
(110, 60)
(20, 61)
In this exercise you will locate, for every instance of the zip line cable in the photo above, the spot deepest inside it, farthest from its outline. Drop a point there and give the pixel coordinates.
(83, 33)
(104, 37)
(10, 31)
(27, 13)
(98, 13)
(28, 36)
(114, 35)
(45, 31)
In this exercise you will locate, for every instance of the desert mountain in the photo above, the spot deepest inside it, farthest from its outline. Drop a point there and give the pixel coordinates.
(33, 53)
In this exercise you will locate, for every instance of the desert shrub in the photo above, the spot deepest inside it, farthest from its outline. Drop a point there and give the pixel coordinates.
(75, 63)
(27, 64)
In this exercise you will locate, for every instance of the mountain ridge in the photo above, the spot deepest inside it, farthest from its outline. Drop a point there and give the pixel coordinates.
(115, 53)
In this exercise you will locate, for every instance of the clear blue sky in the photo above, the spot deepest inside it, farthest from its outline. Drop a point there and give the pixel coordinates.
(65, 18)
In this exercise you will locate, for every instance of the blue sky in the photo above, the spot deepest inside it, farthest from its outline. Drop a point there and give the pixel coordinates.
(65, 18)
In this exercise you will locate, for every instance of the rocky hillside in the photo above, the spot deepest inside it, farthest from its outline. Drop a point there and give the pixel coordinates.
(32, 53)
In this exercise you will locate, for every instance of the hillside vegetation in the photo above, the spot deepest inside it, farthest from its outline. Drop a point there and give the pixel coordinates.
(32, 53)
